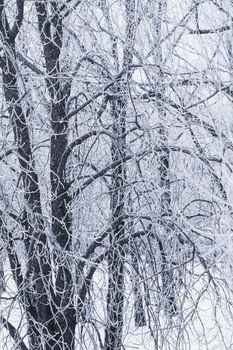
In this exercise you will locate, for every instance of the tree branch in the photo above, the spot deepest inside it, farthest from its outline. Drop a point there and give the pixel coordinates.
(29, 64)
(83, 138)
(95, 96)
(209, 31)
(19, 18)
(13, 333)
(87, 280)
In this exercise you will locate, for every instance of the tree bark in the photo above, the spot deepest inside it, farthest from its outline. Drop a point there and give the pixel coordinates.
(38, 260)
(115, 296)
(61, 214)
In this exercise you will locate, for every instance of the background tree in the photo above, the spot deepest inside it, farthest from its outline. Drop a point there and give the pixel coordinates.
(115, 196)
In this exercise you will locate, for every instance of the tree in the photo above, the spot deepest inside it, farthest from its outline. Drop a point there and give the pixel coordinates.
(116, 173)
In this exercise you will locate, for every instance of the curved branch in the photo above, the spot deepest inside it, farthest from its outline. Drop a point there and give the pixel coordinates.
(75, 143)
(87, 280)
(103, 172)
(29, 64)
(83, 138)
(95, 96)
(131, 156)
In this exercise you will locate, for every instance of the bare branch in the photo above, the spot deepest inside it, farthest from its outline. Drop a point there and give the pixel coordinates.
(209, 31)
(14, 333)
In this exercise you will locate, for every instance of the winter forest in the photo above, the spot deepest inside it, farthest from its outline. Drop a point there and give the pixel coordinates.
(116, 174)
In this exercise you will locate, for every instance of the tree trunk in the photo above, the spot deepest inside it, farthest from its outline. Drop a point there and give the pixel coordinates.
(61, 215)
(115, 297)
(38, 260)
(139, 312)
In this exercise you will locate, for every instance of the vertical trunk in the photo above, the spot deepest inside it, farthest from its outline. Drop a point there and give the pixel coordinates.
(166, 211)
(139, 312)
(115, 297)
(61, 228)
(61, 215)
(163, 162)
(38, 266)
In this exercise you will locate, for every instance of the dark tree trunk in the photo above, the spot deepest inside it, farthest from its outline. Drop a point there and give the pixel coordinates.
(61, 214)
(51, 316)
(38, 261)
